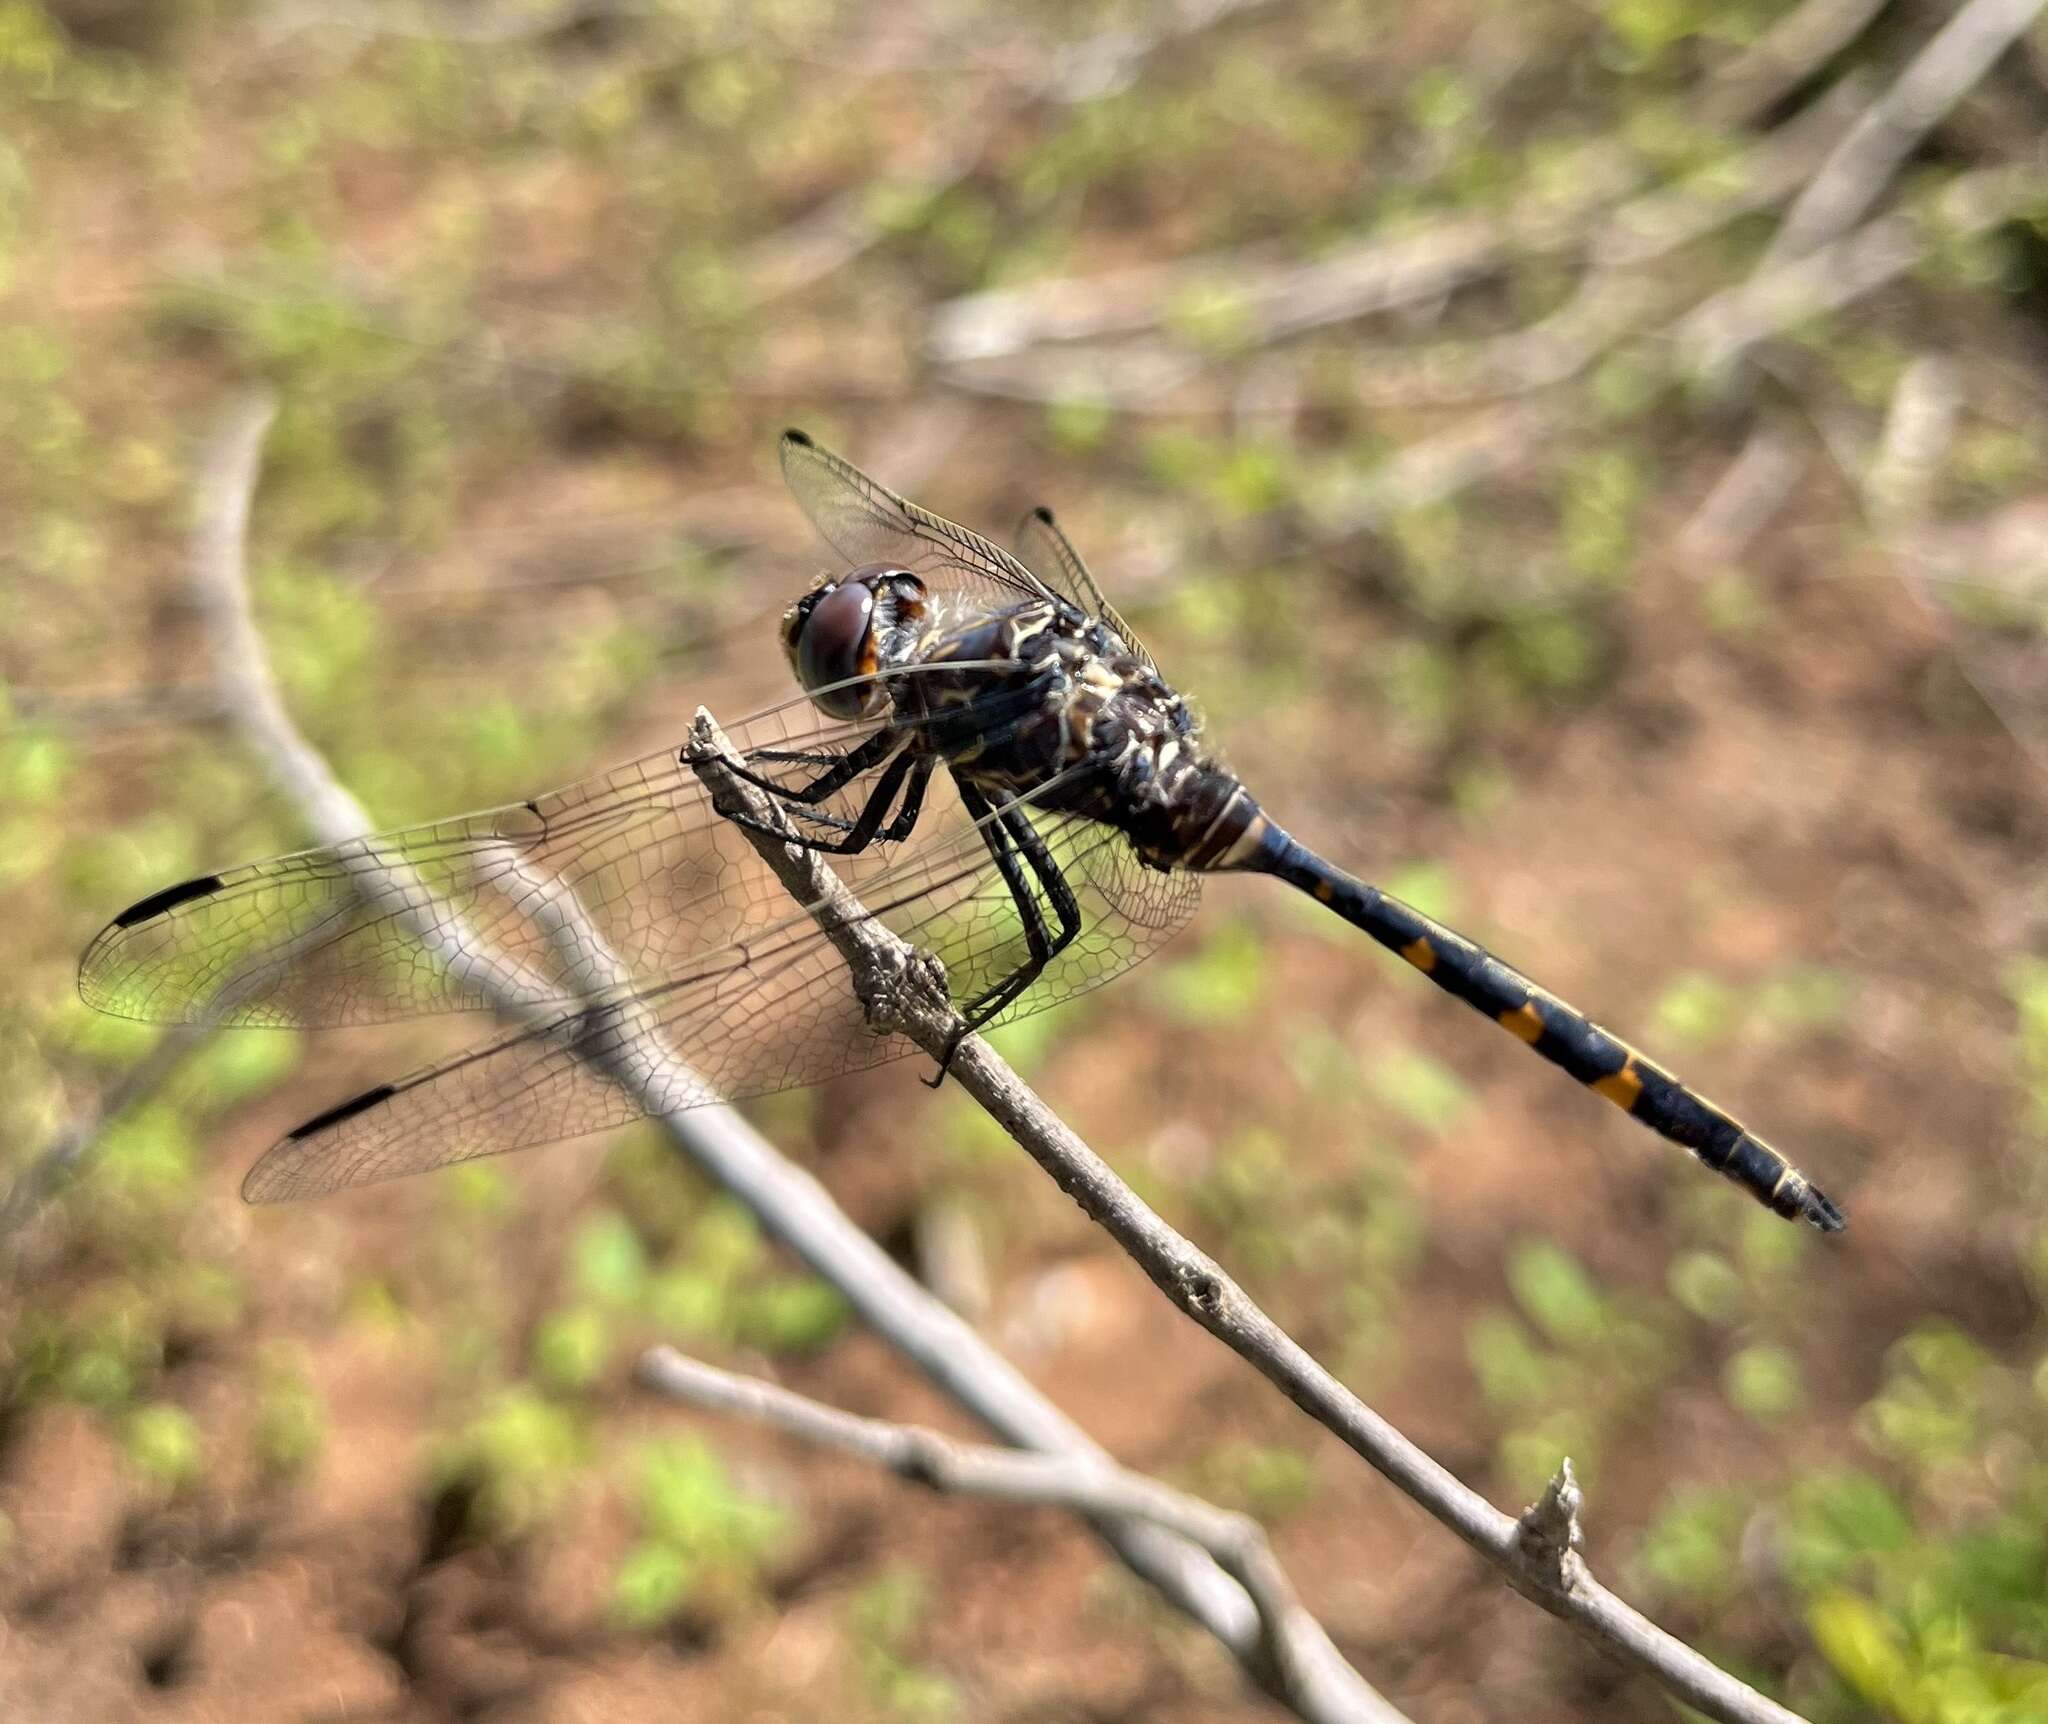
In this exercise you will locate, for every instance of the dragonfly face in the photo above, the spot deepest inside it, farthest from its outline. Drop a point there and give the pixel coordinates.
(851, 627)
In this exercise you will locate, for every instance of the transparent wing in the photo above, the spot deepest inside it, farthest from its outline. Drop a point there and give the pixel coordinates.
(391, 925)
(866, 522)
(772, 1011)
(1044, 548)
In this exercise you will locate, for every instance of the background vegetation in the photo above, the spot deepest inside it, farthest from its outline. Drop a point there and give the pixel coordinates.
(1697, 674)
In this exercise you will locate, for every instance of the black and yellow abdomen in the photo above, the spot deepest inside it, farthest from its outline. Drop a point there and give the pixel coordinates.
(1561, 1034)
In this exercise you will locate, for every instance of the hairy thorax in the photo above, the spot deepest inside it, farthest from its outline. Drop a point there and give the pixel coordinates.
(1081, 725)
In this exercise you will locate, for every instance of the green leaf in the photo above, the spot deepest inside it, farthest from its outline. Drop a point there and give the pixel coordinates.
(1557, 1294)
(608, 1262)
(1706, 1285)
(1424, 1091)
(162, 1442)
(570, 1348)
(1764, 1383)
(1857, 1639)
(652, 1584)
(798, 1315)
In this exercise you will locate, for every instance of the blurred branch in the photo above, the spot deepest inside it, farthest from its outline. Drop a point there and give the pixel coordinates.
(1295, 1642)
(1896, 486)
(1919, 426)
(1743, 500)
(790, 1205)
(1789, 53)
(1718, 331)
(854, 221)
(971, 335)
(473, 27)
(1433, 468)
(1890, 129)
(75, 1143)
(903, 992)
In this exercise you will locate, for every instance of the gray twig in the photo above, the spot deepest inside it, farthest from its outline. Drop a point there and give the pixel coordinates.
(1749, 492)
(59, 1159)
(1298, 1646)
(1047, 339)
(852, 223)
(789, 1204)
(904, 993)
(1716, 332)
(1890, 129)
(1787, 54)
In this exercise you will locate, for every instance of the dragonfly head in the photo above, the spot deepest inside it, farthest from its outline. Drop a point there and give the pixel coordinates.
(853, 625)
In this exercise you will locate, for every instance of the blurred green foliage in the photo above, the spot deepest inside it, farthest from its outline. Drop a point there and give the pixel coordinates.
(1918, 1575)
(702, 1541)
(513, 294)
(881, 1629)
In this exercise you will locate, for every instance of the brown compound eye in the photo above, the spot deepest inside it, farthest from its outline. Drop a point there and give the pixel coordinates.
(837, 643)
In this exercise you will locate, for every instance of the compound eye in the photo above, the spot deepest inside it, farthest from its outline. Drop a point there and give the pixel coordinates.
(837, 642)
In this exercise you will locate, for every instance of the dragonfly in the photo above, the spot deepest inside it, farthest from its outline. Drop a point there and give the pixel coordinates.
(990, 759)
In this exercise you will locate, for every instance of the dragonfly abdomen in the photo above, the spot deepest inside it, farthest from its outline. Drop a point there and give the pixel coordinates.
(1560, 1033)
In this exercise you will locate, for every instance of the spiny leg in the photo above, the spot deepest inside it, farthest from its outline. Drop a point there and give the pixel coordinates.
(916, 769)
(996, 834)
(840, 769)
(1010, 834)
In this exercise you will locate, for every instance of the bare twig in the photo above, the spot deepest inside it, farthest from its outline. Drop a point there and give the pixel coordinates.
(1432, 469)
(974, 335)
(853, 222)
(1743, 500)
(1787, 54)
(790, 1205)
(1298, 1646)
(1896, 487)
(1862, 165)
(1918, 429)
(1716, 332)
(903, 992)
(59, 1159)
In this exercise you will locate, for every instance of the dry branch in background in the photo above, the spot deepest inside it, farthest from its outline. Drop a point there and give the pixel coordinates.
(790, 1205)
(1784, 57)
(901, 994)
(1051, 339)
(1863, 164)
(75, 1142)
(856, 220)
(925, 1457)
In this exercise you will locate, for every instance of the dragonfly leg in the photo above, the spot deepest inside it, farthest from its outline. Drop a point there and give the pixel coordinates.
(867, 826)
(840, 769)
(1010, 834)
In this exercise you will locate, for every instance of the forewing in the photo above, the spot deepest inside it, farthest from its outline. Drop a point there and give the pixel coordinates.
(774, 1012)
(866, 522)
(625, 875)
(1044, 548)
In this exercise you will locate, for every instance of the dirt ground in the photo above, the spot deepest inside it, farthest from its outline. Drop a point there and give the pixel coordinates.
(1818, 788)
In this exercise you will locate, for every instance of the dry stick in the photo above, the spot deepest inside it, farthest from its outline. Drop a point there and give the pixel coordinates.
(1718, 331)
(903, 991)
(1862, 165)
(1789, 53)
(790, 1205)
(854, 222)
(925, 1457)
(1749, 492)
(1895, 489)
(973, 335)
(1708, 337)
(76, 1141)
